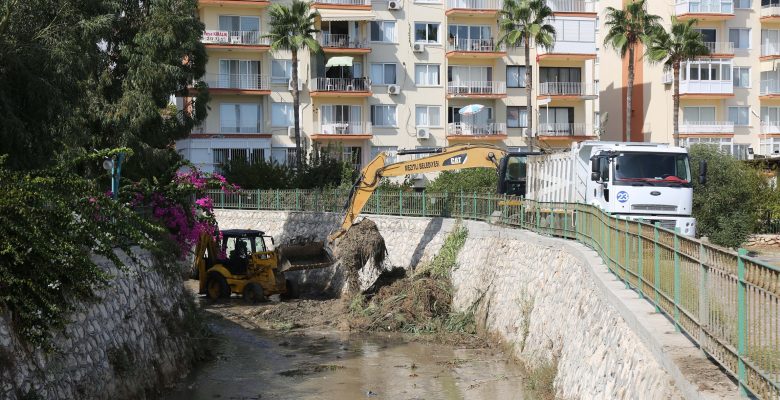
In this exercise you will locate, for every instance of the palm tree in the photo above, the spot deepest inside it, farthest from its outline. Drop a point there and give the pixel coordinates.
(628, 28)
(682, 43)
(292, 28)
(524, 21)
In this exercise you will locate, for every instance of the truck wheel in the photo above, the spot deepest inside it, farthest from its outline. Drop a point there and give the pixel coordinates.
(292, 289)
(217, 287)
(253, 293)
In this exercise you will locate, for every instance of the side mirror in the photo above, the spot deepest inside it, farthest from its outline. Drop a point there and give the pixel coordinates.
(595, 171)
(595, 176)
(703, 172)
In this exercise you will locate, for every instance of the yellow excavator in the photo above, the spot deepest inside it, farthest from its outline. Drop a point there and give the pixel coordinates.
(511, 167)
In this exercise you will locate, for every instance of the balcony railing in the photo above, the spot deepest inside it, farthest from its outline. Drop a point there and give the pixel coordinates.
(668, 77)
(720, 47)
(772, 127)
(565, 89)
(770, 87)
(707, 87)
(345, 2)
(345, 128)
(476, 87)
(704, 7)
(476, 45)
(566, 129)
(341, 85)
(770, 49)
(707, 127)
(341, 41)
(235, 37)
(571, 6)
(476, 4)
(238, 81)
(771, 10)
(467, 129)
(566, 47)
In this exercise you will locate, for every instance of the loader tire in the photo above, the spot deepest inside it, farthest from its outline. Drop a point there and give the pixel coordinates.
(253, 293)
(217, 287)
(292, 289)
(194, 273)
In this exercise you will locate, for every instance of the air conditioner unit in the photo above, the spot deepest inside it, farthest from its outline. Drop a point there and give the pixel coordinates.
(300, 84)
(291, 131)
(393, 5)
(235, 39)
(393, 89)
(418, 48)
(423, 133)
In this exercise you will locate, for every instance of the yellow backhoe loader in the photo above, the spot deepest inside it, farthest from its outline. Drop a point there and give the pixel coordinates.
(240, 262)
(511, 167)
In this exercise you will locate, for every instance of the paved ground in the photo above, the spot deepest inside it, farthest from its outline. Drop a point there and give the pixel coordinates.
(768, 254)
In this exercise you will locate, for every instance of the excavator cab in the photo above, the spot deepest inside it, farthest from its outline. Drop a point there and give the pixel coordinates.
(512, 173)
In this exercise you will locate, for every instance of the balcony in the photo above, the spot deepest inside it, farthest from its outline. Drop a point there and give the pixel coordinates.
(770, 127)
(720, 49)
(704, 10)
(770, 51)
(343, 4)
(569, 51)
(228, 40)
(770, 89)
(707, 127)
(340, 87)
(476, 89)
(474, 48)
(565, 130)
(234, 3)
(474, 7)
(342, 43)
(345, 130)
(706, 89)
(467, 131)
(238, 83)
(572, 7)
(770, 12)
(574, 90)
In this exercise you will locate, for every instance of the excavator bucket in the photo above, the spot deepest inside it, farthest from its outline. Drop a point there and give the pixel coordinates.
(300, 255)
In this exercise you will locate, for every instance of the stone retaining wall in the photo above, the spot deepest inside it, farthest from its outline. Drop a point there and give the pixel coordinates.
(543, 297)
(763, 241)
(128, 343)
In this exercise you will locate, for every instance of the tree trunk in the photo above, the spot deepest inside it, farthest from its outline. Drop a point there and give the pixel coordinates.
(629, 96)
(528, 87)
(676, 101)
(296, 111)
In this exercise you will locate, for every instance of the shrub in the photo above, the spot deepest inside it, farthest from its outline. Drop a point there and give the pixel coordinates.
(727, 208)
(482, 180)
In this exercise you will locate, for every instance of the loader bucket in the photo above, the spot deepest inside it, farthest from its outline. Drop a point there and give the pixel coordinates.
(300, 256)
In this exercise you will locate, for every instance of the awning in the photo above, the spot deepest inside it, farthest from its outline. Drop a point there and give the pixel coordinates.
(339, 62)
(346, 15)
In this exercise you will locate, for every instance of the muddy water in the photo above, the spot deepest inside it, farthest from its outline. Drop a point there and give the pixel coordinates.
(260, 365)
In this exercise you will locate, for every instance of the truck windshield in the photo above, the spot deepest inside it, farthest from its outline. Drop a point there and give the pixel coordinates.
(652, 168)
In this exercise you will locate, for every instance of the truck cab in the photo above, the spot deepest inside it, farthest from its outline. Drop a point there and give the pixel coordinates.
(638, 181)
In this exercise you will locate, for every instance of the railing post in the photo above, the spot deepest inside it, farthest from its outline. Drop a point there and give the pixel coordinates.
(445, 208)
(239, 199)
(741, 322)
(522, 213)
(423, 203)
(376, 203)
(222, 199)
(297, 200)
(608, 253)
(626, 260)
(257, 196)
(276, 202)
(676, 279)
(537, 217)
(640, 259)
(704, 303)
(656, 267)
(461, 204)
(400, 202)
(475, 205)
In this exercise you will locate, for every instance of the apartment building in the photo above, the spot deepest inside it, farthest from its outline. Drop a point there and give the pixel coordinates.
(393, 74)
(730, 98)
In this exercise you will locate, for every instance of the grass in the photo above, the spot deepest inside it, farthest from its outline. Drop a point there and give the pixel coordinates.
(540, 380)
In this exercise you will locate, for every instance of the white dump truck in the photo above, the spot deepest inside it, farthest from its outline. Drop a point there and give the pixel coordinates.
(631, 180)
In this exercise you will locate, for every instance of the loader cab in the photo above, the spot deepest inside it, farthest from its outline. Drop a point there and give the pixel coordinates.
(512, 173)
(237, 248)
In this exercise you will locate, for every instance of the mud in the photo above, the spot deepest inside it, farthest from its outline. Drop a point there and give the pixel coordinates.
(361, 244)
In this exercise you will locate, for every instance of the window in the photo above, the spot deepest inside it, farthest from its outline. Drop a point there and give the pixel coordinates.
(220, 157)
(383, 116)
(740, 116)
(559, 74)
(516, 117)
(234, 23)
(770, 42)
(464, 73)
(281, 71)
(470, 37)
(383, 74)
(383, 31)
(427, 74)
(426, 32)
(240, 118)
(282, 114)
(707, 70)
(238, 74)
(427, 116)
(742, 77)
(515, 76)
(283, 155)
(575, 30)
(391, 153)
(697, 115)
(740, 37)
(708, 35)
(352, 155)
(742, 4)
(725, 145)
(770, 146)
(770, 116)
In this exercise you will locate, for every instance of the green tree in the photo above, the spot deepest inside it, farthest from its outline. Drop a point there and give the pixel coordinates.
(728, 207)
(682, 43)
(292, 29)
(482, 180)
(627, 29)
(523, 22)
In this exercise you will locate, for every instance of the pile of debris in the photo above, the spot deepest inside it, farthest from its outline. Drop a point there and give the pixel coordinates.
(360, 245)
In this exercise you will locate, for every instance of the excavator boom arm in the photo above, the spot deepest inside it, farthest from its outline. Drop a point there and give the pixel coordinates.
(452, 158)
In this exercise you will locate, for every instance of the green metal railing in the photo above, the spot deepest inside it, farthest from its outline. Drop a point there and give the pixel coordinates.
(725, 301)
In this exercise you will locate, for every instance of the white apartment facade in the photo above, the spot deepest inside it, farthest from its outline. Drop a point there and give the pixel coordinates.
(730, 98)
(393, 75)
